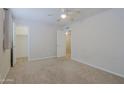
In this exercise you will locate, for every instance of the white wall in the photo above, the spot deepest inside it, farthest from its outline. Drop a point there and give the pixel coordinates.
(99, 41)
(21, 41)
(42, 39)
(4, 54)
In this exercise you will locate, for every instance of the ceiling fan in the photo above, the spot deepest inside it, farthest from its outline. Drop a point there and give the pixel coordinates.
(68, 14)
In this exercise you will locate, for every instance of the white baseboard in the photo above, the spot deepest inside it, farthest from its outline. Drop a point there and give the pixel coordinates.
(100, 68)
(36, 59)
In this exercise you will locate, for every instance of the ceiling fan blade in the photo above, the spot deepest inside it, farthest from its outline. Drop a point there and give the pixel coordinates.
(58, 20)
(78, 12)
(50, 15)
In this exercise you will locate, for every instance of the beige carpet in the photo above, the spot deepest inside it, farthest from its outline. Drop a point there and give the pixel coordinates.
(57, 71)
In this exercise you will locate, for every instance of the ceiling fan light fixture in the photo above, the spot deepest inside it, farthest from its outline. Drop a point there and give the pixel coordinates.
(63, 16)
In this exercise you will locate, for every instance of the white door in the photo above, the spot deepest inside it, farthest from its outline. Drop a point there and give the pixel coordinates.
(61, 44)
(14, 44)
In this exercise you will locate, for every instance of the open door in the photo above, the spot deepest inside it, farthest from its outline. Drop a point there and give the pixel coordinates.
(61, 44)
(13, 50)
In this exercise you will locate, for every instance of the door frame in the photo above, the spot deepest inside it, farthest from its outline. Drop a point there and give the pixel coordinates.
(13, 51)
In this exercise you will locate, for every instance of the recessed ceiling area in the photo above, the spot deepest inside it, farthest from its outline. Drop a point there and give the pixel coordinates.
(53, 15)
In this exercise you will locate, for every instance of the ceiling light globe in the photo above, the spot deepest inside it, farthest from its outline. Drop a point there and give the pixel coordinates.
(63, 16)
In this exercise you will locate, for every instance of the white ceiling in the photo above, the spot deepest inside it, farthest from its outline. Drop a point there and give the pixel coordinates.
(52, 15)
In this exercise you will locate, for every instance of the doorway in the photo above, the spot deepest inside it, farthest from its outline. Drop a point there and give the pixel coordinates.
(20, 42)
(64, 44)
(68, 44)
